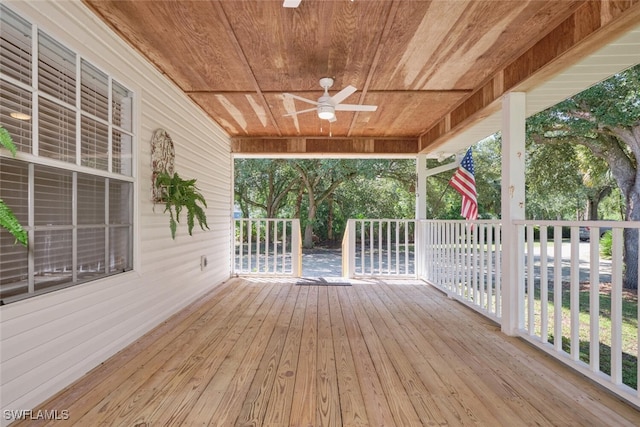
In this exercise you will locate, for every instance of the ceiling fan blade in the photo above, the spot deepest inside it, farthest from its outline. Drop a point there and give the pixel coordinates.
(343, 94)
(308, 101)
(291, 3)
(356, 107)
(300, 112)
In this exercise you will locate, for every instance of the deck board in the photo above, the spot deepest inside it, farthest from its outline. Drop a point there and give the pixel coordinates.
(271, 353)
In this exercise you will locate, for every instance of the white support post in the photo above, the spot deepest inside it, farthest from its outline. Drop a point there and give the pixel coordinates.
(296, 249)
(421, 188)
(513, 198)
(421, 211)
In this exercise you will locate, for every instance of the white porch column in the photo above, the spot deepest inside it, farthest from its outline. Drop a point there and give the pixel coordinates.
(421, 188)
(513, 198)
(421, 212)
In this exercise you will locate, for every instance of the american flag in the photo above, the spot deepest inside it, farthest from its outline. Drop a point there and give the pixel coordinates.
(465, 183)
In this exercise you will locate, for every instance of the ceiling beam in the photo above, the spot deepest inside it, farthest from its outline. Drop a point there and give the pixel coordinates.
(316, 145)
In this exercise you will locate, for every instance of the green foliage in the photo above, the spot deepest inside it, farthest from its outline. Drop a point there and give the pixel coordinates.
(606, 241)
(7, 219)
(7, 142)
(443, 202)
(177, 194)
(317, 190)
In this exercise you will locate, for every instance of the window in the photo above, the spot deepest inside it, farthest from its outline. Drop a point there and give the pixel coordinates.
(71, 185)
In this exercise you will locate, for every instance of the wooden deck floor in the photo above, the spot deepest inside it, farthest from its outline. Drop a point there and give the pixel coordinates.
(273, 353)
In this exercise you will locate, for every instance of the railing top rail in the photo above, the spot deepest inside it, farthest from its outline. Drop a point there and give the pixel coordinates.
(461, 221)
(266, 219)
(612, 224)
(385, 219)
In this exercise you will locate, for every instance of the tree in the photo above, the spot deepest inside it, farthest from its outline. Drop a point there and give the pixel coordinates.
(320, 179)
(263, 184)
(443, 202)
(606, 119)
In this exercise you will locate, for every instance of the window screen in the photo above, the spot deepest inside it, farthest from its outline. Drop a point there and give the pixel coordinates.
(14, 187)
(57, 131)
(16, 45)
(95, 91)
(95, 144)
(56, 69)
(15, 111)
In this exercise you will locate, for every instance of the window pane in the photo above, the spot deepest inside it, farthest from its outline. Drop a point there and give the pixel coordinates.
(91, 200)
(52, 258)
(14, 187)
(13, 265)
(15, 110)
(120, 249)
(91, 258)
(56, 69)
(57, 131)
(122, 106)
(95, 144)
(94, 98)
(53, 196)
(14, 269)
(120, 202)
(15, 44)
(122, 144)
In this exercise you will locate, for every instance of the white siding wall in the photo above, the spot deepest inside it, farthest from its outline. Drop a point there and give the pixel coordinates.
(49, 341)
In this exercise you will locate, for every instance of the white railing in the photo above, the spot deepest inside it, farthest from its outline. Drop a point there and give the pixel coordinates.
(589, 321)
(572, 303)
(463, 259)
(267, 247)
(379, 248)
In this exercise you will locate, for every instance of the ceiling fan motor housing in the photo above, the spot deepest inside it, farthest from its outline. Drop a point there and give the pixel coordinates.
(326, 110)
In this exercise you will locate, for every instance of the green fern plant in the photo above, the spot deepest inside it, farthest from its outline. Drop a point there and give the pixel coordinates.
(177, 194)
(7, 219)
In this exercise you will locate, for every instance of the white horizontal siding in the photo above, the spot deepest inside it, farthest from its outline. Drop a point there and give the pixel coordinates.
(51, 340)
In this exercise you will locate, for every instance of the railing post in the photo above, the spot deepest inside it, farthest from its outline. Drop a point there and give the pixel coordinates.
(349, 250)
(296, 248)
(418, 248)
(513, 198)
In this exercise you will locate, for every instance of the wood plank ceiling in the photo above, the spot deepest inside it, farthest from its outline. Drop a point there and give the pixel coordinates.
(431, 67)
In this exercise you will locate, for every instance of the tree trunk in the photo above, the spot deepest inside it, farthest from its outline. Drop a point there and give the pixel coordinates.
(594, 202)
(630, 255)
(330, 220)
(630, 258)
(308, 228)
(298, 203)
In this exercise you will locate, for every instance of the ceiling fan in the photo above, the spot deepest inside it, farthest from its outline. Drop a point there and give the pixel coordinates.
(327, 105)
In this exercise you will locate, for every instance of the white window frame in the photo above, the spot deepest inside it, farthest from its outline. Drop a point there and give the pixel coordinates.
(33, 160)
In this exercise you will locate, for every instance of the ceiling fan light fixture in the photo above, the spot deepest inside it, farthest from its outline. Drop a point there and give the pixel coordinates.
(326, 112)
(291, 3)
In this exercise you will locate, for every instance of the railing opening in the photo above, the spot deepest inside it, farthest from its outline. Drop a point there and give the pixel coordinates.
(379, 248)
(267, 247)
